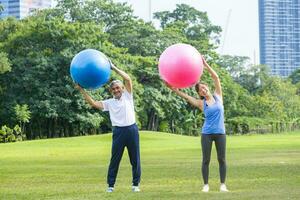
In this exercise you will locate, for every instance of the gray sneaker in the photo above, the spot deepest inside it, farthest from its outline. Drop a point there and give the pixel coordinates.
(223, 188)
(110, 189)
(135, 189)
(205, 188)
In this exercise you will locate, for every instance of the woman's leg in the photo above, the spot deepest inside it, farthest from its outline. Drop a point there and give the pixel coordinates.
(220, 143)
(206, 143)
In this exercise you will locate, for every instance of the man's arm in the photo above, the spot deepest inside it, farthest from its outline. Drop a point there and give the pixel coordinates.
(125, 76)
(89, 99)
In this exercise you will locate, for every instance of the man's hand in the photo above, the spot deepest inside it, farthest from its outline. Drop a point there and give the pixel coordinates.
(78, 87)
(112, 66)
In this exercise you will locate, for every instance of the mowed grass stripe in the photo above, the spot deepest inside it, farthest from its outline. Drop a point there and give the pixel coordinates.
(259, 167)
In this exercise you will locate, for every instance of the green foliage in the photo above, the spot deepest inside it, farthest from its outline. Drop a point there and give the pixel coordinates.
(241, 124)
(18, 133)
(234, 65)
(38, 50)
(1, 8)
(7, 134)
(295, 76)
(251, 77)
(194, 24)
(5, 65)
(2, 135)
(285, 92)
(254, 78)
(22, 113)
(245, 125)
(164, 127)
(298, 88)
(272, 99)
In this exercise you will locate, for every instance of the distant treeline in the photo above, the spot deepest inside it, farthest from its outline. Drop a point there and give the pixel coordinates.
(37, 93)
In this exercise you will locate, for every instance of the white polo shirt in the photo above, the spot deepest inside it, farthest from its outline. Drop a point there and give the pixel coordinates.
(121, 111)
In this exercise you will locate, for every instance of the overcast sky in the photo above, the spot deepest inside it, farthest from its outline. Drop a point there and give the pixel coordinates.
(242, 36)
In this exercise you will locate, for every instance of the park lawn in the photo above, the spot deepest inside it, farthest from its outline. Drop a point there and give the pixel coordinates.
(259, 167)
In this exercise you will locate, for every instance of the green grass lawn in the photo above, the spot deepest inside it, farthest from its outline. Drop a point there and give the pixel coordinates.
(259, 167)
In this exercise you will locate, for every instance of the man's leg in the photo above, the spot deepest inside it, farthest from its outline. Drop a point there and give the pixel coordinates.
(133, 146)
(117, 150)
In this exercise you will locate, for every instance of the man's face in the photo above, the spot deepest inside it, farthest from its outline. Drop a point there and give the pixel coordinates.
(116, 90)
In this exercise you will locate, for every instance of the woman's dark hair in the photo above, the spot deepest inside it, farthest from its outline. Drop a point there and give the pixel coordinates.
(198, 84)
(197, 87)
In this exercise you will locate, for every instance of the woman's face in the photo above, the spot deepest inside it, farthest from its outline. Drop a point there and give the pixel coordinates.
(203, 90)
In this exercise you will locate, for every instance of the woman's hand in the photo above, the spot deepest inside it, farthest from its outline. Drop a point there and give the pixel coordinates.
(204, 63)
(171, 87)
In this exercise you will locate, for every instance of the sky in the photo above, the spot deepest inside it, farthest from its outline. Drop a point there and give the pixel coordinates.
(239, 16)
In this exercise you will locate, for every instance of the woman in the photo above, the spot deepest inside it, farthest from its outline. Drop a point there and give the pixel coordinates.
(213, 128)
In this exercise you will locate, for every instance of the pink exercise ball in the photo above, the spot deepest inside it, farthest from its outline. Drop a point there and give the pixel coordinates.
(180, 65)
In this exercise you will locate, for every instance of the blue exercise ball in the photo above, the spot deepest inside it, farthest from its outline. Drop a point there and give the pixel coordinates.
(90, 69)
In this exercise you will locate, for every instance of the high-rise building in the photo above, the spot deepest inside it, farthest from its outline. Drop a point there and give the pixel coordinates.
(22, 8)
(279, 32)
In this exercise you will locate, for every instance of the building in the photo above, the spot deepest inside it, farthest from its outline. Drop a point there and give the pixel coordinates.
(22, 8)
(279, 35)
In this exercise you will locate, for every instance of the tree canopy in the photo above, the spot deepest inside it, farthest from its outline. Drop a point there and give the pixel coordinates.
(35, 55)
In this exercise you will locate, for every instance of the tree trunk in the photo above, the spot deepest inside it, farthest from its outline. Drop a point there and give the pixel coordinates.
(48, 122)
(156, 123)
(150, 121)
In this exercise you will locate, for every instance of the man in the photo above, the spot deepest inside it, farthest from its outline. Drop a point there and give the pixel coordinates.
(125, 130)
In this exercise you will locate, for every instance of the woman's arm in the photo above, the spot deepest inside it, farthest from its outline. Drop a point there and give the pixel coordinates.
(191, 100)
(215, 77)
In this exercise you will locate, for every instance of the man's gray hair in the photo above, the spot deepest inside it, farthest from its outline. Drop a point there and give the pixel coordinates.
(115, 82)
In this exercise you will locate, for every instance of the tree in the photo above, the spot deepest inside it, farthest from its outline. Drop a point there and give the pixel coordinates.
(40, 54)
(251, 77)
(99, 11)
(5, 65)
(295, 76)
(39, 50)
(235, 65)
(285, 92)
(1, 8)
(298, 88)
(195, 25)
(23, 115)
(254, 78)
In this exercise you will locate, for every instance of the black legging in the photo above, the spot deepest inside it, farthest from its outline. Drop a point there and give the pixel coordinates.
(220, 143)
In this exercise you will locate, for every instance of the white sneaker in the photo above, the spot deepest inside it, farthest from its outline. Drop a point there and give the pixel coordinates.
(223, 188)
(110, 189)
(135, 189)
(205, 188)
